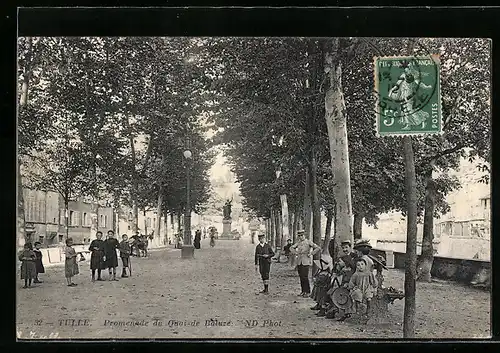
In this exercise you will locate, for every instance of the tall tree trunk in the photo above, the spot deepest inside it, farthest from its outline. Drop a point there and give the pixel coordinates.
(296, 221)
(328, 231)
(411, 240)
(316, 233)
(165, 236)
(273, 228)
(172, 223)
(427, 257)
(158, 213)
(358, 225)
(266, 228)
(286, 220)
(284, 224)
(307, 207)
(135, 188)
(336, 122)
(23, 102)
(279, 232)
(94, 219)
(117, 221)
(66, 215)
(334, 247)
(21, 216)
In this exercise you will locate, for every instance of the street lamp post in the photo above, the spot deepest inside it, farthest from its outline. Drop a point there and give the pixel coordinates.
(187, 251)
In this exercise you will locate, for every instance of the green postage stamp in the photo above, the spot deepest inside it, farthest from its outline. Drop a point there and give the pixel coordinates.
(408, 95)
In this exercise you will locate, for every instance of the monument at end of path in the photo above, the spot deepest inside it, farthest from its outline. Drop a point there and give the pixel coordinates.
(226, 221)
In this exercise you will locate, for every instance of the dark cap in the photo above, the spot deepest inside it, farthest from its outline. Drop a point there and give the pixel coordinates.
(261, 236)
(301, 232)
(345, 242)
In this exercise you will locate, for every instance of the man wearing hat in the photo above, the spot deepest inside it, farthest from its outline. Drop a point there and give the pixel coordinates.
(304, 249)
(343, 268)
(263, 255)
(362, 248)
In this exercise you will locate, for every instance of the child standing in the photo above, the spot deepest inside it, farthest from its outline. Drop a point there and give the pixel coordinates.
(97, 256)
(28, 268)
(363, 285)
(110, 246)
(263, 255)
(70, 265)
(38, 262)
(125, 254)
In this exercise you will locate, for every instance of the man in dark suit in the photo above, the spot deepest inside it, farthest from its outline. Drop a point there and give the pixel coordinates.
(263, 255)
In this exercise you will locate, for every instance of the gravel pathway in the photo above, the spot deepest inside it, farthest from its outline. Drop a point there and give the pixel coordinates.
(215, 296)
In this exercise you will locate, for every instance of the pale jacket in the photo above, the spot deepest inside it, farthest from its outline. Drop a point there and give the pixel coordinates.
(303, 250)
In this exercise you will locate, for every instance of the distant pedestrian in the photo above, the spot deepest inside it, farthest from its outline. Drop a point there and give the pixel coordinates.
(287, 247)
(304, 249)
(70, 264)
(125, 254)
(111, 258)
(38, 262)
(263, 255)
(28, 268)
(197, 239)
(96, 249)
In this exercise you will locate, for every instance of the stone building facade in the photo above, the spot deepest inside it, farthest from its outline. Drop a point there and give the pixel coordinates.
(46, 218)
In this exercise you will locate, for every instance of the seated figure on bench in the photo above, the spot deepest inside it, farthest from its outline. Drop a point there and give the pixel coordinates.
(343, 270)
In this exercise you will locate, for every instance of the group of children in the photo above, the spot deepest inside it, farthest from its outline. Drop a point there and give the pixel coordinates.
(353, 271)
(31, 264)
(103, 255)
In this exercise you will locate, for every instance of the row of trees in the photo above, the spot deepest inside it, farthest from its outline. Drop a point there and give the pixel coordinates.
(306, 107)
(295, 115)
(109, 119)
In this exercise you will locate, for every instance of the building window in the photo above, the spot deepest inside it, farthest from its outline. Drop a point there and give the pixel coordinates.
(102, 221)
(105, 221)
(71, 218)
(130, 216)
(85, 220)
(60, 238)
(154, 222)
(128, 228)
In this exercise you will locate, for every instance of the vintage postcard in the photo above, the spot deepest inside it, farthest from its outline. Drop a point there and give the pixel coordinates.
(267, 187)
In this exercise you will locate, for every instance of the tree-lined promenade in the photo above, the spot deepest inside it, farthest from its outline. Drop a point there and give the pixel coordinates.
(295, 118)
(219, 287)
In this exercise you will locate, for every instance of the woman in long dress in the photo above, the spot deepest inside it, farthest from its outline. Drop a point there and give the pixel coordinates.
(97, 256)
(28, 268)
(110, 247)
(197, 239)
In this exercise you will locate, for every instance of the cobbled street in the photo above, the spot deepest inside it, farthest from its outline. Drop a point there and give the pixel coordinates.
(221, 284)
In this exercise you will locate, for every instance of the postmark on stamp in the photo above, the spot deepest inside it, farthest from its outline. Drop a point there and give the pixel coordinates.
(408, 95)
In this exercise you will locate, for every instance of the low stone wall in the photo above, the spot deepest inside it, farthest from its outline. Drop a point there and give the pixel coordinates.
(470, 272)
